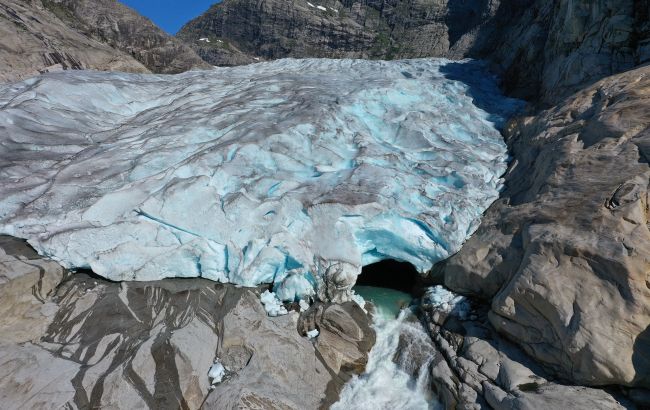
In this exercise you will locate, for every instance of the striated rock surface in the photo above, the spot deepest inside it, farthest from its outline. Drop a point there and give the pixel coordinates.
(543, 49)
(49, 35)
(86, 343)
(564, 254)
(475, 368)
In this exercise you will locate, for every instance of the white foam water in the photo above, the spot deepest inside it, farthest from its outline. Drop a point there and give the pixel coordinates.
(386, 384)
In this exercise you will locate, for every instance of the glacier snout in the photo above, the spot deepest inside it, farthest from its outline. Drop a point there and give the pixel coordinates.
(293, 172)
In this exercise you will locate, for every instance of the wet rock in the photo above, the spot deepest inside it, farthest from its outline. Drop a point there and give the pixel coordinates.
(344, 340)
(564, 254)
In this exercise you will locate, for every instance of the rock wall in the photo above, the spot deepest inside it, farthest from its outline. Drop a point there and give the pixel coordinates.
(564, 254)
(544, 49)
(124, 29)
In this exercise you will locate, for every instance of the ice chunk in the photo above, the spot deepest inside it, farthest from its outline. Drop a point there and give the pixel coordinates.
(447, 301)
(313, 333)
(291, 172)
(304, 305)
(216, 373)
(272, 304)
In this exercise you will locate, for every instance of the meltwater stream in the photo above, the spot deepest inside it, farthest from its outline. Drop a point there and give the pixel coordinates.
(386, 384)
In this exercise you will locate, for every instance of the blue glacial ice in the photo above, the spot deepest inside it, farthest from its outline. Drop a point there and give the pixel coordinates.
(292, 172)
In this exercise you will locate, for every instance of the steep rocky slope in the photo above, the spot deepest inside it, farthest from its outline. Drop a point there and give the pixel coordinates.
(33, 40)
(39, 36)
(563, 255)
(544, 49)
(124, 29)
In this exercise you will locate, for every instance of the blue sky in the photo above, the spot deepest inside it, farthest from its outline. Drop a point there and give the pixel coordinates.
(170, 15)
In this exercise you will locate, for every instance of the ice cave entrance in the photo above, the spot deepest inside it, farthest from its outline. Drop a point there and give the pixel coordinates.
(389, 285)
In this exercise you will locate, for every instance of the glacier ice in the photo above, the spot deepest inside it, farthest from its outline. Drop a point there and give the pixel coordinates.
(446, 301)
(292, 172)
(272, 304)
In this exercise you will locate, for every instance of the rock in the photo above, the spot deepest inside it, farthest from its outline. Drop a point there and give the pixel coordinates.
(26, 282)
(544, 50)
(344, 340)
(121, 27)
(329, 28)
(79, 341)
(38, 36)
(564, 254)
(475, 368)
(34, 40)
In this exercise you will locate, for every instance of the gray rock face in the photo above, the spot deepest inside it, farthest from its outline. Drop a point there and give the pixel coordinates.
(475, 368)
(549, 50)
(33, 39)
(47, 35)
(564, 254)
(356, 29)
(84, 342)
(543, 49)
(124, 29)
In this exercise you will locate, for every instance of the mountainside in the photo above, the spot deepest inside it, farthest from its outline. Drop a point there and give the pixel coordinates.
(543, 49)
(39, 36)
(124, 29)
(33, 40)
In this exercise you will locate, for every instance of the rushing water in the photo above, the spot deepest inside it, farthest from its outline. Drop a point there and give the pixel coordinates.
(386, 383)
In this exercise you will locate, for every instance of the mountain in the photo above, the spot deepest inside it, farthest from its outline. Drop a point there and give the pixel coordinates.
(39, 36)
(543, 49)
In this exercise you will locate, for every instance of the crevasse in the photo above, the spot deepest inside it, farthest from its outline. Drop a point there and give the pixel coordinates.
(292, 172)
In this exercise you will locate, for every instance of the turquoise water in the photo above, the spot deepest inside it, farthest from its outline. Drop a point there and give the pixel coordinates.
(387, 302)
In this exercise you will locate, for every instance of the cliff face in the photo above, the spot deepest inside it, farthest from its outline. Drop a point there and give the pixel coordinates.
(39, 36)
(543, 49)
(563, 255)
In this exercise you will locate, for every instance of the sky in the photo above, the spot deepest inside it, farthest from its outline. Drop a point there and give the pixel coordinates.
(170, 15)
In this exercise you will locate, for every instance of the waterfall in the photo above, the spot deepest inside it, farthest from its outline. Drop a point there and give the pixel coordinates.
(397, 373)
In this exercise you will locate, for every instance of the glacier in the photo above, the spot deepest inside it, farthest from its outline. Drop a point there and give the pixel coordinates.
(294, 172)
